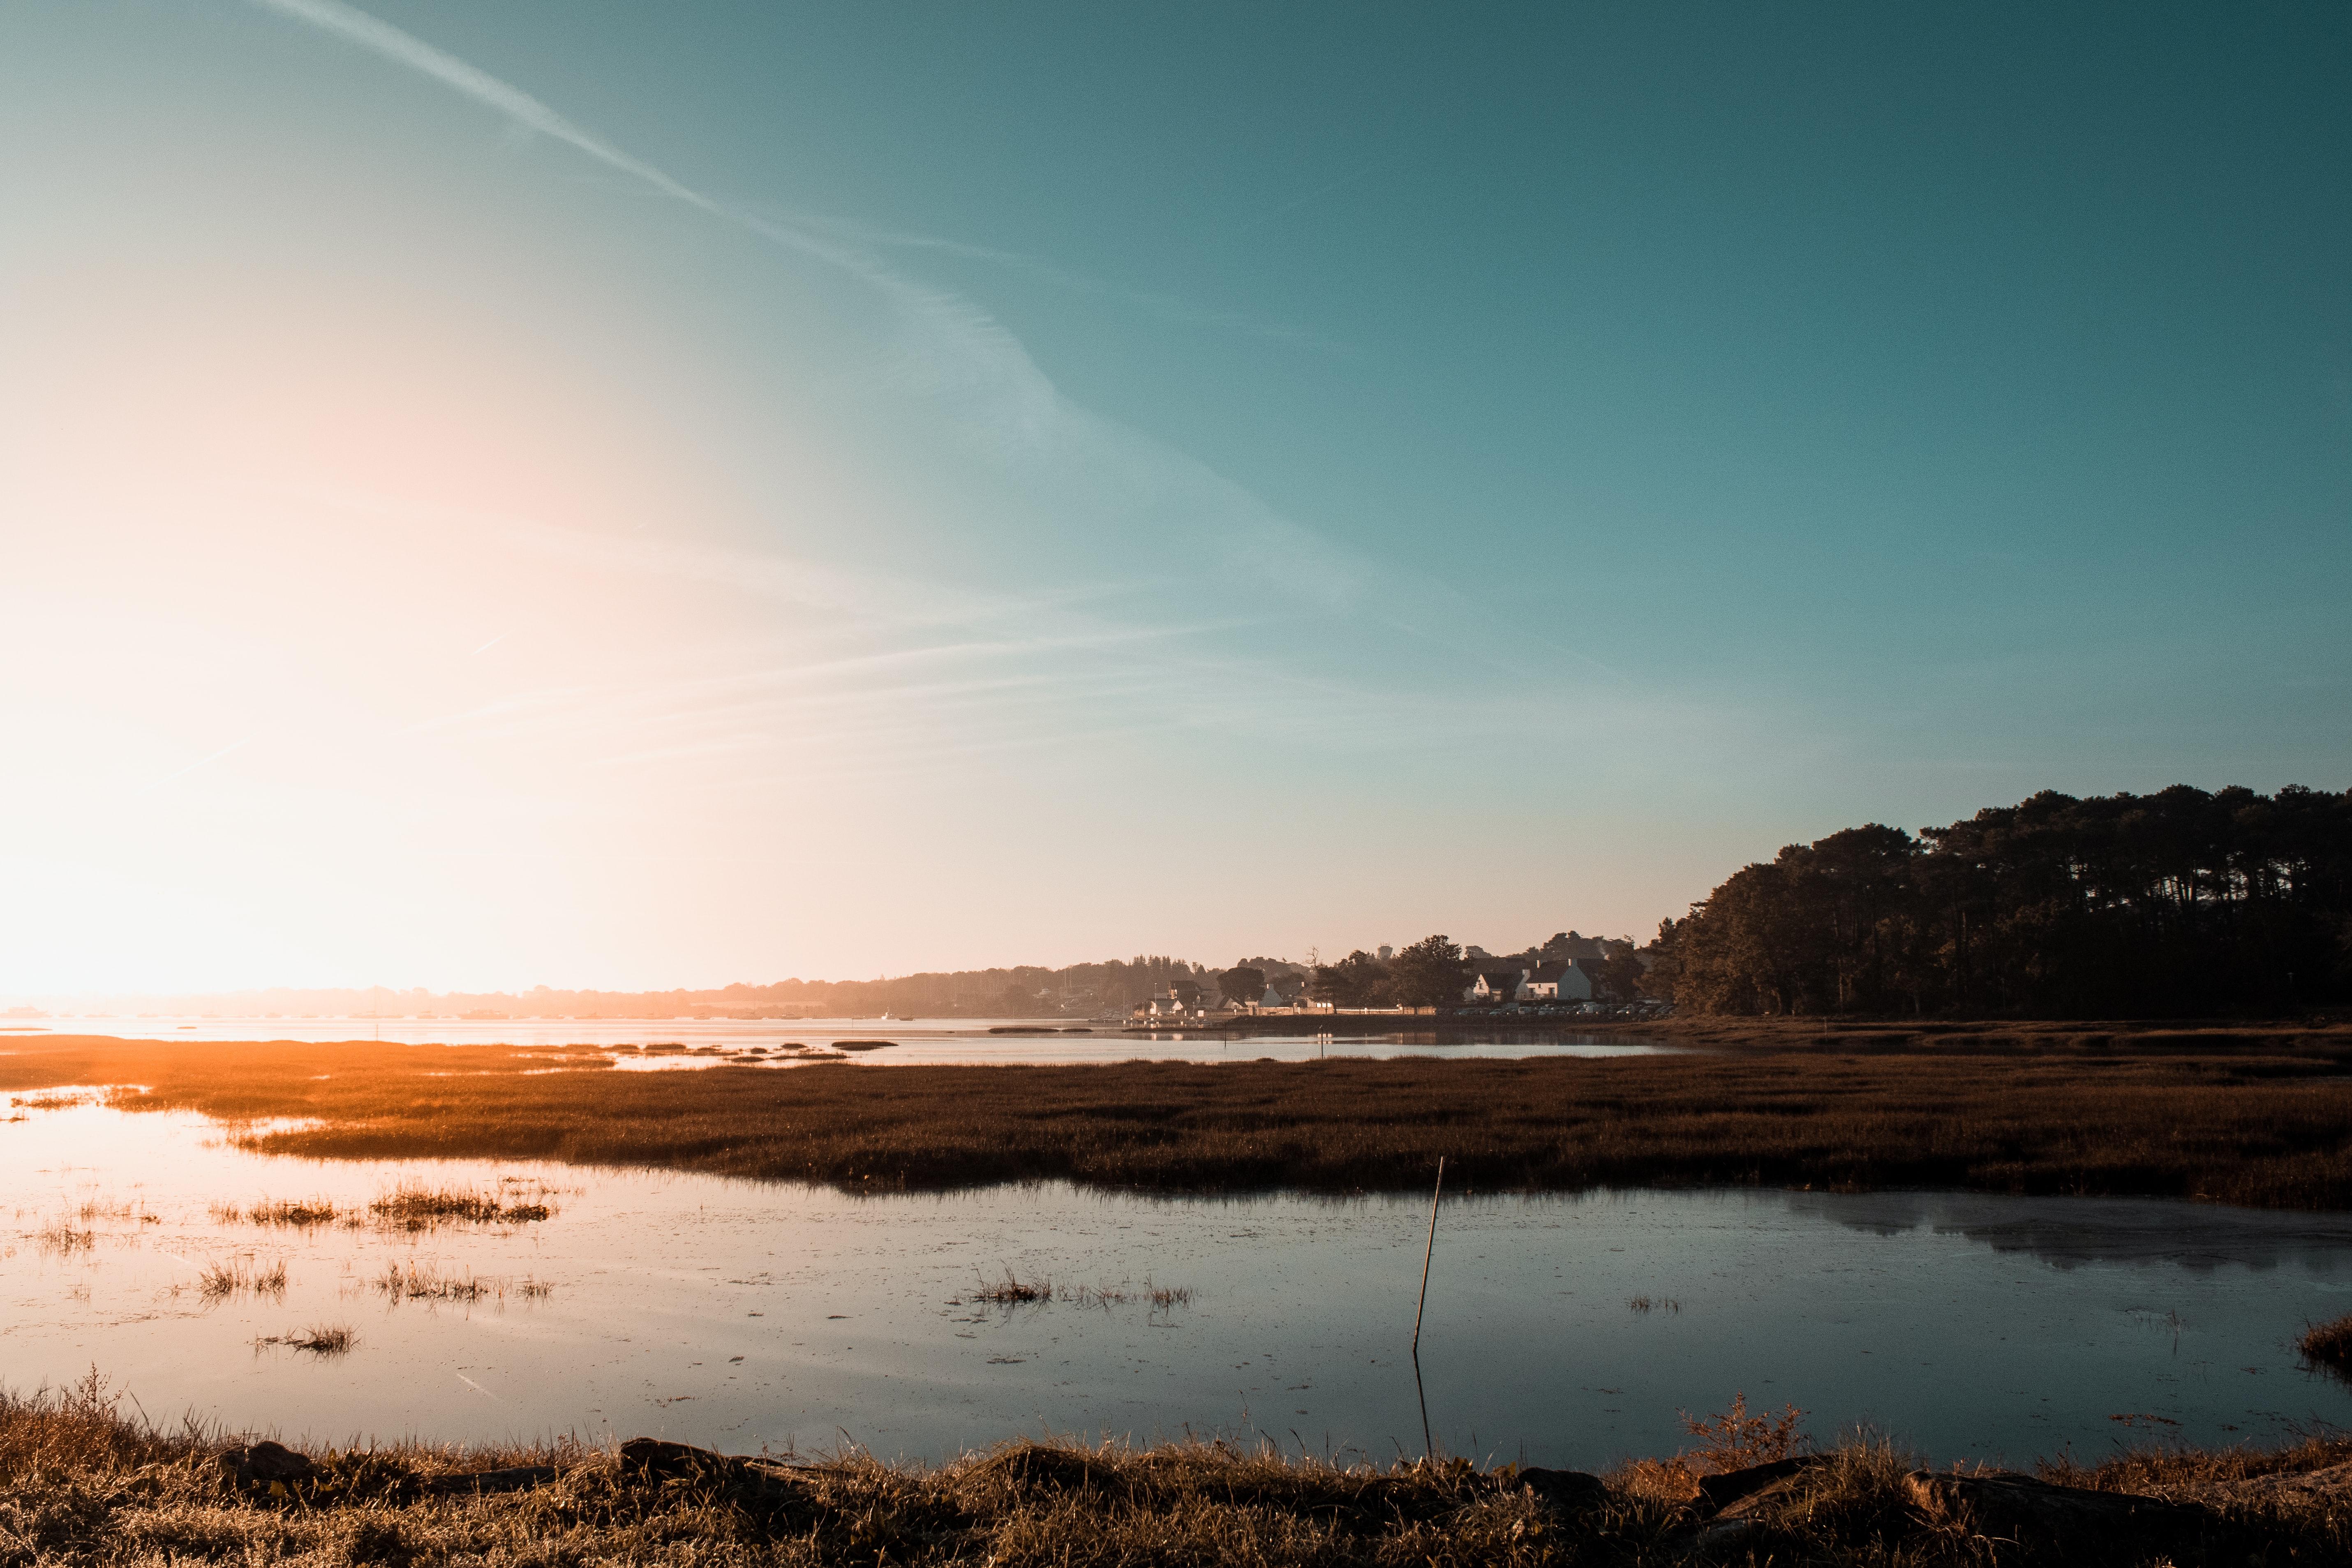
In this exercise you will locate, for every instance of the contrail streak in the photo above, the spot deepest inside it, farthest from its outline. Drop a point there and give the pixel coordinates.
(513, 102)
(971, 349)
(403, 48)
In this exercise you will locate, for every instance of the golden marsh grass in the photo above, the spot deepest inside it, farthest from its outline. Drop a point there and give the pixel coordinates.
(2246, 1116)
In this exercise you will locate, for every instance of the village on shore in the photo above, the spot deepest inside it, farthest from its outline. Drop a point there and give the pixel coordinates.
(1571, 976)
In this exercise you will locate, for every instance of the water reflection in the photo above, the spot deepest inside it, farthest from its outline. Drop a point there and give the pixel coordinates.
(2194, 1237)
(739, 1314)
(688, 1043)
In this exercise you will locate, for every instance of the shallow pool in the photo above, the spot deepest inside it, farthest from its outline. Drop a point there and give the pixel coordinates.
(1559, 1330)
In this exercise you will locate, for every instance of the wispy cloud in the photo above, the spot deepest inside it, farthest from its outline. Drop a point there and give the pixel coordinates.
(959, 660)
(1154, 301)
(963, 352)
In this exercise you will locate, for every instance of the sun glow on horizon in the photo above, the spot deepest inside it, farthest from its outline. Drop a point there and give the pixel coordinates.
(488, 502)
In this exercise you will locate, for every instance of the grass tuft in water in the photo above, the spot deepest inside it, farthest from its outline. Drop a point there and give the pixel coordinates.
(320, 1340)
(2329, 1343)
(299, 1213)
(425, 1208)
(64, 1237)
(64, 1101)
(1014, 1292)
(1011, 1291)
(428, 1282)
(220, 1280)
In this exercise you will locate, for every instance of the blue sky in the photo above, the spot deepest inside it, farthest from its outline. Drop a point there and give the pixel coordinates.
(665, 495)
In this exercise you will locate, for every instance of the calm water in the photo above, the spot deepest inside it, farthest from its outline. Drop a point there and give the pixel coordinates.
(914, 1041)
(739, 1314)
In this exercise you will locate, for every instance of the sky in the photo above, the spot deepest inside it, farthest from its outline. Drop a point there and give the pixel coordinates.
(596, 494)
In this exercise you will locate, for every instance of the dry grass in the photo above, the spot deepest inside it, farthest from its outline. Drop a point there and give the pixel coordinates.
(428, 1208)
(2249, 1117)
(1010, 1291)
(2177, 1471)
(300, 1214)
(50, 1102)
(219, 1281)
(2329, 1343)
(428, 1282)
(318, 1340)
(1733, 1439)
(1730, 1440)
(81, 1484)
(64, 1238)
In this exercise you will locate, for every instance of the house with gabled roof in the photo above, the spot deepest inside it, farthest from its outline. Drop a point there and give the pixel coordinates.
(1492, 984)
(1566, 981)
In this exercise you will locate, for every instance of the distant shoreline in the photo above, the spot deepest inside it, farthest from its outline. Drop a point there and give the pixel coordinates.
(1731, 1032)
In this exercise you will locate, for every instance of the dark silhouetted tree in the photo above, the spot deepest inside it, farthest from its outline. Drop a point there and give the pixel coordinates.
(1620, 975)
(2178, 903)
(1429, 973)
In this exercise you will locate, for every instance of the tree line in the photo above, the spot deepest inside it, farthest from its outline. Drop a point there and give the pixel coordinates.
(1434, 972)
(2176, 904)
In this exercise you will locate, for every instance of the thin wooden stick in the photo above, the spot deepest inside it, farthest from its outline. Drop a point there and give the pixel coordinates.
(1428, 1452)
(1426, 1253)
(1428, 1449)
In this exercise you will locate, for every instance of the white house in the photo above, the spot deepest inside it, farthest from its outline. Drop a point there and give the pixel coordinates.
(1492, 984)
(1179, 998)
(1554, 983)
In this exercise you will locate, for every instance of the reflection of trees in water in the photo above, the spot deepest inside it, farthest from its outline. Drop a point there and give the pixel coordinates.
(2070, 1232)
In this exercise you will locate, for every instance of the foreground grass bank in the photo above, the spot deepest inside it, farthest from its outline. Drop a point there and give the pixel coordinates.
(79, 1484)
(2255, 1118)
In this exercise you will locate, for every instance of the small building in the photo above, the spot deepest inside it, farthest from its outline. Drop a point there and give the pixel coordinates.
(1556, 982)
(1181, 997)
(1493, 985)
